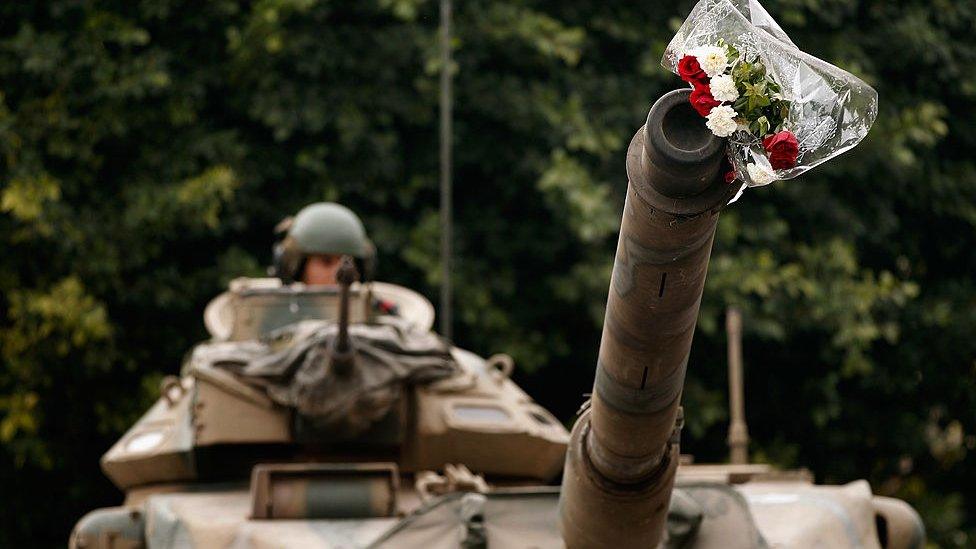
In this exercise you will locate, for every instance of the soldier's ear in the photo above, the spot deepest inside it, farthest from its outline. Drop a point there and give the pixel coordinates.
(278, 250)
(288, 260)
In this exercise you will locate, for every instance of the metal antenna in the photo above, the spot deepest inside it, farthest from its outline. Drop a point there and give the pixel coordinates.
(343, 352)
(738, 432)
(446, 143)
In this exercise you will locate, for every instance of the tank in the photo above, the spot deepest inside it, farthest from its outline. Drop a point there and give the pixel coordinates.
(312, 418)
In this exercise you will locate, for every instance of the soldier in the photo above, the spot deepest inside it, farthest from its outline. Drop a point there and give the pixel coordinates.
(316, 239)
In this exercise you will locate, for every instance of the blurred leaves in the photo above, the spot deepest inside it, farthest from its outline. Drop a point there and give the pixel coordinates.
(586, 205)
(546, 35)
(24, 198)
(59, 320)
(203, 196)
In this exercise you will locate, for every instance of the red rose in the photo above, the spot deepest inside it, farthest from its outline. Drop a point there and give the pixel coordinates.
(690, 71)
(701, 99)
(730, 177)
(782, 149)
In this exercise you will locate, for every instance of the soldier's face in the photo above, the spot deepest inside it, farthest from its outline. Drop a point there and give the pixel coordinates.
(320, 270)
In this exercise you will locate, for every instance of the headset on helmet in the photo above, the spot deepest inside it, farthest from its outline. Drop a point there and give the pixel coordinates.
(322, 228)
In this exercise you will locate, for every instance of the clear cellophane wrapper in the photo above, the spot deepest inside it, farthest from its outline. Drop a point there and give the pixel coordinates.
(831, 110)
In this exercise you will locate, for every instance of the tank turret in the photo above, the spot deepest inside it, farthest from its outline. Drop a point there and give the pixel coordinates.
(623, 453)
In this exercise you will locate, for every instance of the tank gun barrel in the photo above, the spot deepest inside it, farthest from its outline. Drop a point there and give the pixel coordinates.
(623, 453)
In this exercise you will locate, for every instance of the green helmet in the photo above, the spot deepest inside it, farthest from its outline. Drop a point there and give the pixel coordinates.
(321, 228)
(329, 228)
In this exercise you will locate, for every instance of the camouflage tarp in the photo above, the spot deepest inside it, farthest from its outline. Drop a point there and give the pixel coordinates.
(293, 365)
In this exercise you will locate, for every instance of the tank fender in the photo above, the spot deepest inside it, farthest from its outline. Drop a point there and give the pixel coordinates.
(110, 528)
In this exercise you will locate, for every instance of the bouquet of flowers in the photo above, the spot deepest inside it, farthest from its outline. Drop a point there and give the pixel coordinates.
(784, 111)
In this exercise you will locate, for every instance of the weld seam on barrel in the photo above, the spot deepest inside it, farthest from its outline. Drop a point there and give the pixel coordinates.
(651, 400)
(637, 255)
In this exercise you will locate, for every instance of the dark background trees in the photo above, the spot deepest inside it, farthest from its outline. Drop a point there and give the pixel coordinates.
(148, 147)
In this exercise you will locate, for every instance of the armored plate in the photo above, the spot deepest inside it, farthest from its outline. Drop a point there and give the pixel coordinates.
(253, 307)
(413, 307)
(703, 515)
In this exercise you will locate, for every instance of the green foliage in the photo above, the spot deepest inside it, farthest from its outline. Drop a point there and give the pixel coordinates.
(759, 105)
(148, 148)
(24, 198)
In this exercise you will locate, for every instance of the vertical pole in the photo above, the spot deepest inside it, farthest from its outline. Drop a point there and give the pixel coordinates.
(446, 101)
(738, 432)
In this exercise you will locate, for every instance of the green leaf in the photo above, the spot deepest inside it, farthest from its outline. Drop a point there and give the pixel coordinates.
(762, 126)
(731, 53)
(741, 72)
(758, 71)
(756, 95)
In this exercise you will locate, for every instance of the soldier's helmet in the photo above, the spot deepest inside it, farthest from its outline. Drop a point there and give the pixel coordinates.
(324, 228)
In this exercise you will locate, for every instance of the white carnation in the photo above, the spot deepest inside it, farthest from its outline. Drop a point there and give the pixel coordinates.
(723, 88)
(760, 175)
(722, 121)
(712, 60)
